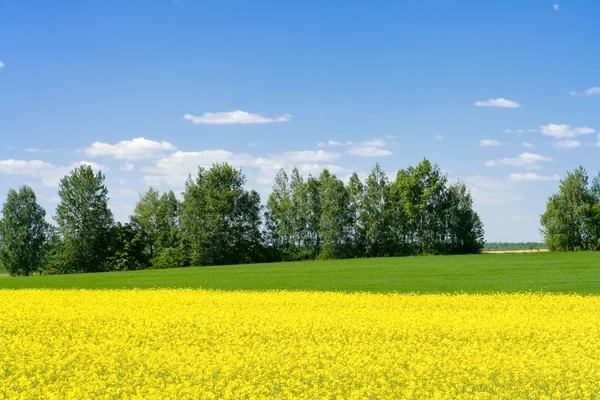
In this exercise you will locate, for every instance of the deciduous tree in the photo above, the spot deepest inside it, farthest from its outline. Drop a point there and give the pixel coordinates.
(84, 221)
(24, 233)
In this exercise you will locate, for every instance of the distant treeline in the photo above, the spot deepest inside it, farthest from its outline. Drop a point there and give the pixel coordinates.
(489, 246)
(220, 222)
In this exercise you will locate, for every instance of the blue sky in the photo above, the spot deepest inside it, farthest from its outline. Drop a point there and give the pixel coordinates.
(503, 95)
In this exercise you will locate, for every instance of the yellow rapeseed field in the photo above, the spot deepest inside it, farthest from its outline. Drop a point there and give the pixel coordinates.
(194, 344)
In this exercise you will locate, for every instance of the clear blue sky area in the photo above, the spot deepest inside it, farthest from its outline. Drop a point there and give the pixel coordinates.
(503, 95)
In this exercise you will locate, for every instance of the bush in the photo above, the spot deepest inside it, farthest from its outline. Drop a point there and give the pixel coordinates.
(170, 257)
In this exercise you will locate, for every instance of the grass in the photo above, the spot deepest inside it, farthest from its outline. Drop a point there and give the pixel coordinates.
(485, 273)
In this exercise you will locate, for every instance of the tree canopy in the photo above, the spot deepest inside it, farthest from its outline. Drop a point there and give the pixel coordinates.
(24, 233)
(572, 217)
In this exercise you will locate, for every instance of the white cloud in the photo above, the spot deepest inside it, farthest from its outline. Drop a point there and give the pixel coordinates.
(518, 217)
(376, 143)
(564, 131)
(527, 145)
(134, 149)
(532, 130)
(390, 137)
(499, 102)
(528, 160)
(491, 191)
(36, 150)
(333, 143)
(515, 131)
(127, 166)
(372, 148)
(49, 174)
(368, 151)
(309, 156)
(589, 92)
(556, 7)
(490, 143)
(437, 136)
(598, 140)
(567, 144)
(530, 176)
(1, 65)
(234, 117)
(368, 148)
(22, 167)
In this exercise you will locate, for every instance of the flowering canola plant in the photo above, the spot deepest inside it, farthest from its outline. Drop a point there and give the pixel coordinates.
(197, 344)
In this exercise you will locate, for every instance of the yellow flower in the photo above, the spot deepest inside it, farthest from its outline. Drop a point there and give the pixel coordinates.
(195, 344)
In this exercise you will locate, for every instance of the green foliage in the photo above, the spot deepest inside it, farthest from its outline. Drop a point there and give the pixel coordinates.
(170, 257)
(24, 233)
(335, 221)
(220, 219)
(84, 222)
(157, 218)
(571, 221)
(418, 213)
(220, 222)
(126, 251)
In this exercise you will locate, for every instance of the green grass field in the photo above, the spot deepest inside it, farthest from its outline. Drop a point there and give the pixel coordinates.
(551, 272)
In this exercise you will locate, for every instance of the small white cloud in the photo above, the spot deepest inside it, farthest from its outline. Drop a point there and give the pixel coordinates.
(564, 131)
(567, 144)
(515, 131)
(310, 156)
(1, 65)
(556, 7)
(36, 150)
(134, 149)
(368, 148)
(527, 145)
(390, 137)
(376, 143)
(532, 130)
(589, 92)
(127, 166)
(499, 102)
(334, 143)
(368, 151)
(490, 143)
(122, 181)
(518, 217)
(234, 117)
(528, 160)
(371, 148)
(437, 136)
(530, 176)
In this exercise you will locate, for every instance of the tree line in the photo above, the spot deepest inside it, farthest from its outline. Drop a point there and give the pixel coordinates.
(218, 221)
(571, 221)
